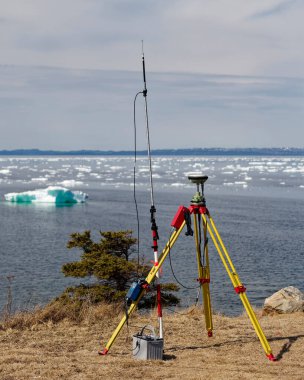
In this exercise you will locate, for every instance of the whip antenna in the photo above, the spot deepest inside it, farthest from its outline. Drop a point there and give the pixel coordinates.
(145, 91)
(154, 227)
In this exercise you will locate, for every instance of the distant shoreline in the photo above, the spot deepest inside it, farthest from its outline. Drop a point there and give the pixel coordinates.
(296, 152)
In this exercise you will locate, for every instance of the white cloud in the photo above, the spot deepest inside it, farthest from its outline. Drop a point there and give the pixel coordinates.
(215, 70)
(93, 109)
(252, 37)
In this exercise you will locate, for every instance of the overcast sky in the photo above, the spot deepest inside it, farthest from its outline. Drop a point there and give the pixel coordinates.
(226, 73)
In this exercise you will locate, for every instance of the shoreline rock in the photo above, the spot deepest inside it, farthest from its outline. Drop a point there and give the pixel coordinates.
(286, 300)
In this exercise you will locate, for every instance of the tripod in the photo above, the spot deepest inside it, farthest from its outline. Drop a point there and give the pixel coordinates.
(182, 218)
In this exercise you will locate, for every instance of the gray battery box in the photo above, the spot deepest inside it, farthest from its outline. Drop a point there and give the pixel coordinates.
(147, 347)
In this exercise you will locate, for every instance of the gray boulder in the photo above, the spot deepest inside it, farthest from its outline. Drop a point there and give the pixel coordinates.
(286, 300)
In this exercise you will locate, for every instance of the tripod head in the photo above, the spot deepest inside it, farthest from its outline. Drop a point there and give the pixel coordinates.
(198, 179)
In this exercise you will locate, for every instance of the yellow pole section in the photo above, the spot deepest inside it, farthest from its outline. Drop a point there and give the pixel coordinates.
(198, 252)
(206, 286)
(206, 252)
(202, 274)
(164, 253)
(149, 279)
(123, 321)
(255, 323)
(207, 307)
(222, 244)
(234, 282)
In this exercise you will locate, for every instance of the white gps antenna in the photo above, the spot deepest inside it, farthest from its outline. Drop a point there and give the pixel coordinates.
(198, 179)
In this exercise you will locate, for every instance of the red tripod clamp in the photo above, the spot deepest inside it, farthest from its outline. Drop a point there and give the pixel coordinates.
(203, 280)
(240, 289)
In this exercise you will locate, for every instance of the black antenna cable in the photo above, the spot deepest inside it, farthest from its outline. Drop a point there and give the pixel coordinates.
(134, 179)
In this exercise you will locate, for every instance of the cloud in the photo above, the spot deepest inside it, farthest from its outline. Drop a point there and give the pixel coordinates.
(215, 37)
(275, 9)
(219, 72)
(51, 108)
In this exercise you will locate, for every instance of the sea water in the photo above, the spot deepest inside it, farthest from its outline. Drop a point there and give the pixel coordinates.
(257, 204)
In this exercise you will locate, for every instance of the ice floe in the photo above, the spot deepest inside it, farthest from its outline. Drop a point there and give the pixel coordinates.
(40, 179)
(71, 183)
(235, 174)
(84, 169)
(52, 194)
(4, 171)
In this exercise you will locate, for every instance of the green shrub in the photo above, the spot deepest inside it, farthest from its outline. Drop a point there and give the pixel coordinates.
(111, 269)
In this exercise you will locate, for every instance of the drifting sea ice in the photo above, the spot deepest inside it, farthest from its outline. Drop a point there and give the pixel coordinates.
(71, 183)
(52, 194)
(4, 171)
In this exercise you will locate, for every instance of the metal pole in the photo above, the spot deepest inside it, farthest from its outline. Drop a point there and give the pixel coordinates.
(145, 91)
(154, 227)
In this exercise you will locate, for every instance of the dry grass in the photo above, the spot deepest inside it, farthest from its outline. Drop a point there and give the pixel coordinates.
(56, 312)
(43, 349)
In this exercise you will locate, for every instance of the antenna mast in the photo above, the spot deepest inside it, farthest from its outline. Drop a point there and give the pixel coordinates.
(154, 227)
(144, 92)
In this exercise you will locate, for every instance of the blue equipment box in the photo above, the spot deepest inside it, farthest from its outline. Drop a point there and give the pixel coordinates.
(134, 291)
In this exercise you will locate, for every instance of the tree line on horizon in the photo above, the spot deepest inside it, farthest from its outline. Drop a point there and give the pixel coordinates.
(169, 152)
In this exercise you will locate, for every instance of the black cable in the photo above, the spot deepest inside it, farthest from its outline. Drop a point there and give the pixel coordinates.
(137, 346)
(134, 180)
(176, 279)
(205, 245)
(187, 217)
(190, 311)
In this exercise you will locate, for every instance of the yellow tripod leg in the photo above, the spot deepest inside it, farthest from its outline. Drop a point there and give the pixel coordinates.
(150, 277)
(120, 325)
(203, 275)
(239, 288)
(206, 289)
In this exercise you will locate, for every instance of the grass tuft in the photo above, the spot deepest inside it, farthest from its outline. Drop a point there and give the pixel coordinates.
(58, 311)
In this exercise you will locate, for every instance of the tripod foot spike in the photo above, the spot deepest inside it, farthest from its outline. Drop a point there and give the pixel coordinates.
(210, 333)
(103, 352)
(271, 357)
